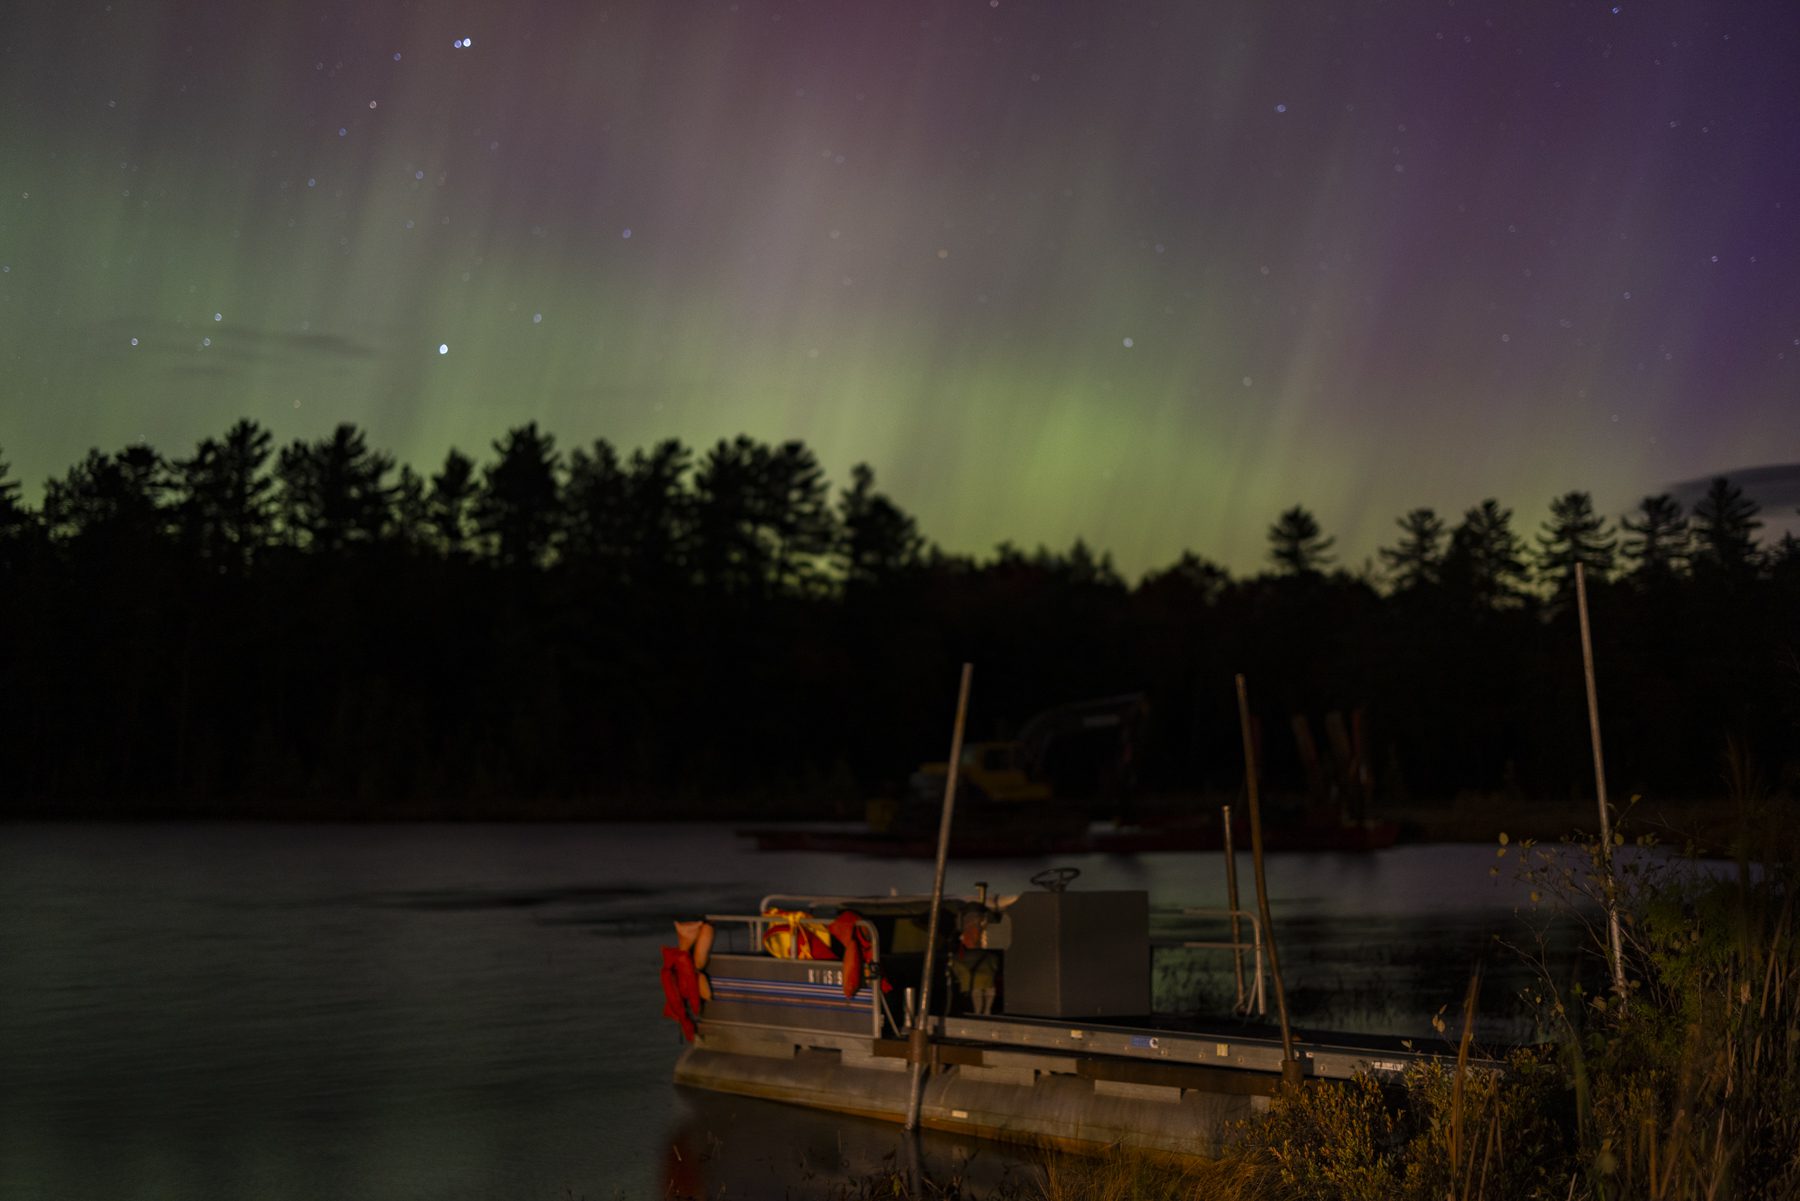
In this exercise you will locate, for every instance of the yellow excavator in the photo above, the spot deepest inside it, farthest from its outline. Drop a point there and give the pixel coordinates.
(1048, 775)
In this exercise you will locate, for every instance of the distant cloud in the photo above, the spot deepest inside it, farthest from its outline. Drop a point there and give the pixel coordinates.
(335, 345)
(1774, 487)
(235, 346)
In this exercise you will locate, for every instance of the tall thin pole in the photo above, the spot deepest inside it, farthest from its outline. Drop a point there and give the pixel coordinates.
(1231, 901)
(1290, 1063)
(1593, 700)
(922, 1017)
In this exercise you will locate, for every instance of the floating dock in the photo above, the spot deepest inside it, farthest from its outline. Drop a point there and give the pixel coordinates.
(1077, 1087)
(1070, 1060)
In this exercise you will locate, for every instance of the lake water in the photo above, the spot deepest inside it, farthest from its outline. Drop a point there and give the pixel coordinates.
(194, 1012)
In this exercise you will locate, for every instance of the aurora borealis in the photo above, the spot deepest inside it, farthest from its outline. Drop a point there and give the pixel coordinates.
(1141, 273)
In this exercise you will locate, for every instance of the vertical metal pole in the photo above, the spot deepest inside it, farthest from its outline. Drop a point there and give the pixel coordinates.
(1231, 901)
(1262, 999)
(922, 1021)
(1593, 700)
(1290, 1063)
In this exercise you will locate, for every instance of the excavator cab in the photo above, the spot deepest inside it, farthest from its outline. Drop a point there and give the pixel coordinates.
(1091, 745)
(992, 772)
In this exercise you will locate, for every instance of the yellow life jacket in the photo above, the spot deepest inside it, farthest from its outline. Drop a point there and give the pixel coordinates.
(796, 934)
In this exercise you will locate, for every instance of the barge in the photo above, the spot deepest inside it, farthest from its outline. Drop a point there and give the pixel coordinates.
(1044, 1034)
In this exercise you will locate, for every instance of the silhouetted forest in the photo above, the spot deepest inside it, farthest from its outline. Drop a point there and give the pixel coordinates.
(316, 631)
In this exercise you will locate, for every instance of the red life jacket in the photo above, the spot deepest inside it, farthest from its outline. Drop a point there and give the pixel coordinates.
(851, 936)
(681, 989)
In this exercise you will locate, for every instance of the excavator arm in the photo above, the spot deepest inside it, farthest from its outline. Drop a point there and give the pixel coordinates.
(1127, 712)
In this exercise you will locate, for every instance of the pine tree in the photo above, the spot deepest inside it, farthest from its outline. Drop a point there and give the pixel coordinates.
(1485, 557)
(1193, 580)
(659, 513)
(1419, 558)
(1295, 545)
(879, 540)
(333, 494)
(728, 554)
(412, 527)
(794, 513)
(519, 506)
(1784, 561)
(110, 501)
(13, 517)
(226, 509)
(1574, 534)
(15, 523)
(450, 505)
(1082, 567)
(1724, 530)
(596, 535)
(1658, 538)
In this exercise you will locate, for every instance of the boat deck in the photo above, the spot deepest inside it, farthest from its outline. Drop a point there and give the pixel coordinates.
(1172, 1040)
(1191, 1039)
(1162, 1083)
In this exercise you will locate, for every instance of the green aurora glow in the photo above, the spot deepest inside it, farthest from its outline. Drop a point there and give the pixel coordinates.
(1473, 255)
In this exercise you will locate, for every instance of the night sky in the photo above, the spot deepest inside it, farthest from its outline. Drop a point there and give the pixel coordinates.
(1140, 272)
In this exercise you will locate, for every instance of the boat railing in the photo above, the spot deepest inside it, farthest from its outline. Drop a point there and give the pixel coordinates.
(1255, 999)
(758, 925)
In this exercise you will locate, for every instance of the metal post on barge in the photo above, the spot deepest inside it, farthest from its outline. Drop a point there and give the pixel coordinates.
(1231, 903)
(922, 1018)
(1290, 1063)
(1593, 701)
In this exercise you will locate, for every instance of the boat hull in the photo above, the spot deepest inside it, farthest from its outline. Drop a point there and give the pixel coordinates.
(1005, 1097)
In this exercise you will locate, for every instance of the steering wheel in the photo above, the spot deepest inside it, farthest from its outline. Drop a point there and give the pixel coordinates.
(1055, 878)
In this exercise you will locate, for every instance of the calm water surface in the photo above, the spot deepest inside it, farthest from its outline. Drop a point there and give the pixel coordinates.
(472, 1011)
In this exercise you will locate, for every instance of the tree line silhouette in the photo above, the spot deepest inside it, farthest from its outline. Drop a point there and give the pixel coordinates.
(315, 630)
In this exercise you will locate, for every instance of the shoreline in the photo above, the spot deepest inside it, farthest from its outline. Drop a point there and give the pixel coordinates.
(1711, 823)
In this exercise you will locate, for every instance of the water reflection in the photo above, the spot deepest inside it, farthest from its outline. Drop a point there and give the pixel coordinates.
(447, 1012)
(759, 1148)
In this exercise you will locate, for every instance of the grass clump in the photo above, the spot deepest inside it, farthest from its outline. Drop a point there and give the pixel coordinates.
(1683, 1086)
(1128, 1176)
(1687, 1083)
(1442, 1132)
